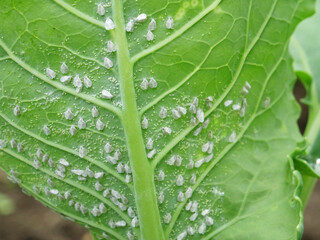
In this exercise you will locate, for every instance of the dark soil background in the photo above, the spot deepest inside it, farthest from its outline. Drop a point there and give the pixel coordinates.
(32, 221)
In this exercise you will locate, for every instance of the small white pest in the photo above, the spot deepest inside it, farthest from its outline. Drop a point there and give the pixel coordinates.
(82, 152)
(161, 175)
(13, 143)
(180, 180)
(153, 83)
(167, 218)
(65, 79)
(202, 228)
(107, 63)
(98, 186)
(87, 82)
(209, 221)
(141, 17)
(175, 114)
(99, 125)
(233, 137)
(145, 123)
(190, 230)
(111, 47)
(193, 217)
(200, 115)
(130, 26)
(50, 73)
(161, 198)
(73, 130)
(64, 68)
(108, 148)
(77, 83)
(68, 114)
(188, 193)
(82, 124)
(106, 94)
(46, 130)
(182, 110)
(236, 107)
(150, 36)
(152, 153)
(109, 24)
(169, 23)
(180, 197)
(135, 222)
(152, 25)
(228, 103)
(182, 235)
(100, 9)
(163, 113)
(149, 144)
(144, 84)
(95, 112)
(166, 131)
(16, 110)
(3, 144)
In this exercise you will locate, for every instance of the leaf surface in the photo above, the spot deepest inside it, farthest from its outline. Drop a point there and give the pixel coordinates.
(217, 168)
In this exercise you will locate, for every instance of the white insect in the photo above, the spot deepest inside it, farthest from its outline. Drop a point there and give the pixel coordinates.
(188, 193)
(3, 144)
(65, 79)
(82, 152)
(108, 148)
(145, 123)
(152, 25)
(180, 180)
(106, 94)
(64, 162)
(149, 144)
(130, 26)
(180, 197)
(233, 137)
(16, 110)
(152, 153)
(209, 221)
(87, 82)
(68, 114)
(166, 131)
(193, 217)
(111, 47)
(46, 130)
(236, 107)
(150, 36)
(141, 17)
(175, 114)
(109, 24)
(73, 130)
(228, 103)
(182, 235)
(202, 228)
(190, 230)
(205, 212)
(135, 222)
(161, 175)
(13, 143)
(64, 68)
(77, 83)
(200, 115)
(161, 198)
(167, 218)
(100, 9)
(182, 110)
(99, 125)
(95, 112)
(50, 73)
(82, 124)
(107, 63)
(98, 175)
(163, 113)
(98, 186)
(169, 23)
(144, 84)
(153, 83)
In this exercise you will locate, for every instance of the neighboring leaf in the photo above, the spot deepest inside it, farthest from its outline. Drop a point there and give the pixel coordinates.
(305, 47)
(233, 170)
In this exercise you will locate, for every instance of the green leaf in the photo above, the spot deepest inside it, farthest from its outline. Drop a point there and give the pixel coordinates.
(305, 46)
(234, 167)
